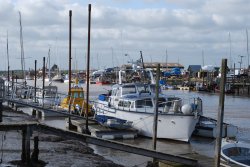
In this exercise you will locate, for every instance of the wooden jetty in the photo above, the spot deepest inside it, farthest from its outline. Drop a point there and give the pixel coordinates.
(28, 128)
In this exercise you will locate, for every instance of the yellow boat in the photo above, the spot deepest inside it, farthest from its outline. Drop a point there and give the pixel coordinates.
(76, 101)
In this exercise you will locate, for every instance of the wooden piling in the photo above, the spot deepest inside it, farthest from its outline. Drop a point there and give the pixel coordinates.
(220, 112)
(156, 111)
(35, 153)
(88, 62)
(12, 87)
(26, 133)
(1, 111)
(43, 78)
(69, 93)
(35, 79)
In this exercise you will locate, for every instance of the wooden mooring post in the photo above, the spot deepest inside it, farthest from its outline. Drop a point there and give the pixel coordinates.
(26, 134)
(28, 127)
(220, 113)
(12, 87)
(70, 57)
(87, 77)
(35, 153)
(1, 111)
(156, 113)
(27, 130)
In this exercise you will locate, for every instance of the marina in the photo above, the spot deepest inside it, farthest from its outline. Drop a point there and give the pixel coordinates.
(139, 97)
(195, 142)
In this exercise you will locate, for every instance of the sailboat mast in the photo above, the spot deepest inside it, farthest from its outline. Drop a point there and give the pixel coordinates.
(49, 63)
(21, 44)
(247, 50)
(166, 59)
(8, 59)
(202, 58)
(230, 58)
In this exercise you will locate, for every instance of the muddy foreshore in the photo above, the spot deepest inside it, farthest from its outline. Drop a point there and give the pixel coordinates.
(53, 150)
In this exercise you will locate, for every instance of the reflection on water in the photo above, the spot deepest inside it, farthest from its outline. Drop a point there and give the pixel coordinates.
(236, 112)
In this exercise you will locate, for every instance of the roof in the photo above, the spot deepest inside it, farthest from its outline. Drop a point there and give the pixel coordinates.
(194, 68)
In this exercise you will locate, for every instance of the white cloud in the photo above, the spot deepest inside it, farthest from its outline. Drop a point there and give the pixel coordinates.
(185, 28)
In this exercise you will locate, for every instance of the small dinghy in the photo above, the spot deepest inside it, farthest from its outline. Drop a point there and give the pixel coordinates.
(206, 127)
(234, 152)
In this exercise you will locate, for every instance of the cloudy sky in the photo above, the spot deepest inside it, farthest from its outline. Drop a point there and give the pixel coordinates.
(164, 30)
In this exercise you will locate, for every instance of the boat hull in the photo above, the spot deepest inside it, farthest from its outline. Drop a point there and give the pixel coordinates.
(172, 126)
(236, 153)
(102, 83)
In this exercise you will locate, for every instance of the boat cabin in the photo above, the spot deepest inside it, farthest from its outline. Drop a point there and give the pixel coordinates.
(140, 104)
(135, 89)
(75, 99)
(77, 93)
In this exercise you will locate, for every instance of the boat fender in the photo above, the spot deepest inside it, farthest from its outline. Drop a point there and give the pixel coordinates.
(186, 109)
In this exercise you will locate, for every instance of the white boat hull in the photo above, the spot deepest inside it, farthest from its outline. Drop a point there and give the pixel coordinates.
(236, 153)
(170, 126)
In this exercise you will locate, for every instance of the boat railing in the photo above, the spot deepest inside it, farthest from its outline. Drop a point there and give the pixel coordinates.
(16, 90)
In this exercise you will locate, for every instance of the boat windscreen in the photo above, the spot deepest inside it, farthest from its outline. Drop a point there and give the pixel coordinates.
(81, 95)
(75, 94)
(143, 89)
(128, 90)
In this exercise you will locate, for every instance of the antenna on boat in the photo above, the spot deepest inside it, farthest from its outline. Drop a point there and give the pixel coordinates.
(143, 67)
(142, 60)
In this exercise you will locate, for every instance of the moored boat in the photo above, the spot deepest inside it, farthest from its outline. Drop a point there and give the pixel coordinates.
(58, 78)
(234, 152)
(135, 102)
(207, 127)
(76, 101)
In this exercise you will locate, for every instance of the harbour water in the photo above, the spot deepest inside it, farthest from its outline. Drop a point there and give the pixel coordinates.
(236, 112)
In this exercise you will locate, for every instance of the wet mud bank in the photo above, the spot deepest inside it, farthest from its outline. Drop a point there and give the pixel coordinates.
(53, 150)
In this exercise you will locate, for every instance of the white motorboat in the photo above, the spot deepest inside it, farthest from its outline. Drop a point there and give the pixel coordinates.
(58, 78)
(136, 103)
(234, 152)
